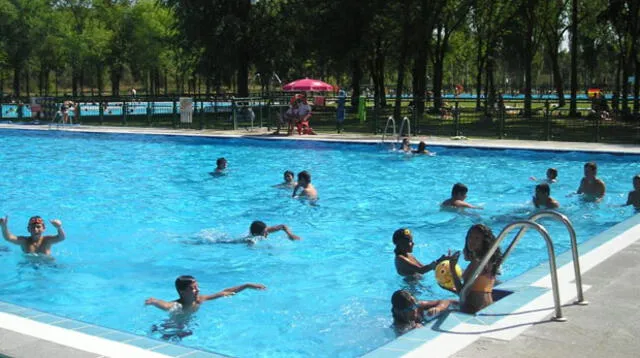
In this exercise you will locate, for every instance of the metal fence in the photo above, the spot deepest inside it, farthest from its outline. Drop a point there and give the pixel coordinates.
(457, 117)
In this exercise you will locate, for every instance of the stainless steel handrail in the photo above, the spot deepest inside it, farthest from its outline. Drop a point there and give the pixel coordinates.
(404, 120)
(552, 263)
(574, 246)
(386, 127)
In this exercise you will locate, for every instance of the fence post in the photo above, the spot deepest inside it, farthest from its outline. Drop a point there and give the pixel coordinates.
(501, 125)
(149, 113)
(456, 120)
(598, 119)
(200, 114)
(101, 112)
(233, 114)
(174, 120)
(125, 109)
(78, 113)
(547, 117)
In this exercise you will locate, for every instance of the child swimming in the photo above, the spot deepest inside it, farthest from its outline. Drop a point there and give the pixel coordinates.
(190, 298)
(288, 182)
(259, 228)
(634, 196)
(591, 187)
(458, 195)
(304, 182)
(36, 242)
(406, 263)
(221, 167)
(479, 240)
(408, 312)
(542, 197)
(552, 175)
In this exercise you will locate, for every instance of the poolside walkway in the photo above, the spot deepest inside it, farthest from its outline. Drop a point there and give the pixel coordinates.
(608, 327)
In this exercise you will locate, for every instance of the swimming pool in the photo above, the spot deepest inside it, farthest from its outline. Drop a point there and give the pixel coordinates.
(141, 210)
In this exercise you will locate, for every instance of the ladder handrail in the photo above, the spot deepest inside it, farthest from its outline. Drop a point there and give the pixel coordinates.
(574, 245)
(386, 127)
(405, 119)
(550, 252)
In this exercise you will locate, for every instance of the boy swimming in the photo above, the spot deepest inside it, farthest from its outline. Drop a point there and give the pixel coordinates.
(36, 243)
(304, 182)
(190, 298)
(634, 196)
(552, 175)
(458, 195)
(543, 199)
(221, 167)
(288, 182)
(259, 228)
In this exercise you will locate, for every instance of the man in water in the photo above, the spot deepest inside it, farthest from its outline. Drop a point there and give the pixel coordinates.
(36, 243)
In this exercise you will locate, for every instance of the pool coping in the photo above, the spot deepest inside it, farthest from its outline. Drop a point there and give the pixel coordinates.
(531, 301)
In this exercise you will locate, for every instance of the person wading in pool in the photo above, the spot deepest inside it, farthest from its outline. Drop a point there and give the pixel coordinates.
(406, 263)
(190, 298)
(592, 188)
(36, 243)
(308, 190)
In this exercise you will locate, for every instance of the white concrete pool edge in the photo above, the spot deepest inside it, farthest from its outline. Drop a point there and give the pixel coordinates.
(73, 339)
(261, 134)
(536, 311)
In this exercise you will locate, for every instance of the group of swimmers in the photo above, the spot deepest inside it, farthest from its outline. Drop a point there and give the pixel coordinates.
(407, 311)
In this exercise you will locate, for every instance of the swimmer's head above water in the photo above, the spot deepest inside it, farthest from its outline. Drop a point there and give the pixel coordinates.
(258, 228)
(403, 239)
(187, 286)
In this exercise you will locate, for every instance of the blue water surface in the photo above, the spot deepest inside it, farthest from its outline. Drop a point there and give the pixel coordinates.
(141, 210)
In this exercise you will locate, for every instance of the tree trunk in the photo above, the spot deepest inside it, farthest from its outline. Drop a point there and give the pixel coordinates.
(557, 74)
(480, 66)
(574, 59)
(402, 63)
(26, 81)
(16, 81)
(356, 77)
(115, 81)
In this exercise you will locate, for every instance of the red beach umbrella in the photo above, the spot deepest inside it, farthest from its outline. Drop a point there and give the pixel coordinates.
(308, 84)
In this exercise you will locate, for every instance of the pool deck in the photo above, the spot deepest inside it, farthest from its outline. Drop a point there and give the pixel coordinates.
(608, 326)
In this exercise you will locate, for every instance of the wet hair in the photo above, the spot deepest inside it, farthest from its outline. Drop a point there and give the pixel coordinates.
(636, 177)
(488, 239)
(422, 146)
(220, 161)
(591, 165)
(401, 300)
(553, 172)
(400, 235)
(184, 282)
(544, 188)
(459, 188)
(289, 172)
(257, 228)
(304, 175)
(34, 220)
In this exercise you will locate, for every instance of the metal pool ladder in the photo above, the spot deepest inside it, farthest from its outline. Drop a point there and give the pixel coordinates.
(396, 135)
(524, 225)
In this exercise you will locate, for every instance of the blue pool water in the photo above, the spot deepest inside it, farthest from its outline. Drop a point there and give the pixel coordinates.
(141, 210)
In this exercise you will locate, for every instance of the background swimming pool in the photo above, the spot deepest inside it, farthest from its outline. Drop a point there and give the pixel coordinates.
(141, 210)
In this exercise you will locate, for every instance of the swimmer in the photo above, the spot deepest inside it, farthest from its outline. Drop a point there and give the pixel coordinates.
(36, 243)
(289, 181)
(552, 176)
(259, 228)
(422, 149)
(406, 263)
(408, 312)
(190, 298)
(221, 167)
(634, 195)
(478, 242)
(591, 187)
(458, 195)
(304, 182)
(543, 199)
(406, 145)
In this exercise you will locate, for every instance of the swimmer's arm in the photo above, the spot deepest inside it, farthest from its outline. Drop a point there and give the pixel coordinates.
(61, 235)
(163, 305)
(579, 191)
(453, 261)
(6, 234)
(286, 229)
(232, 291)
(434, 307)
(464, 204)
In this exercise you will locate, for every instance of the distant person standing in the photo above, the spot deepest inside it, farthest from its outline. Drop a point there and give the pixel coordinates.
(133, 92)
